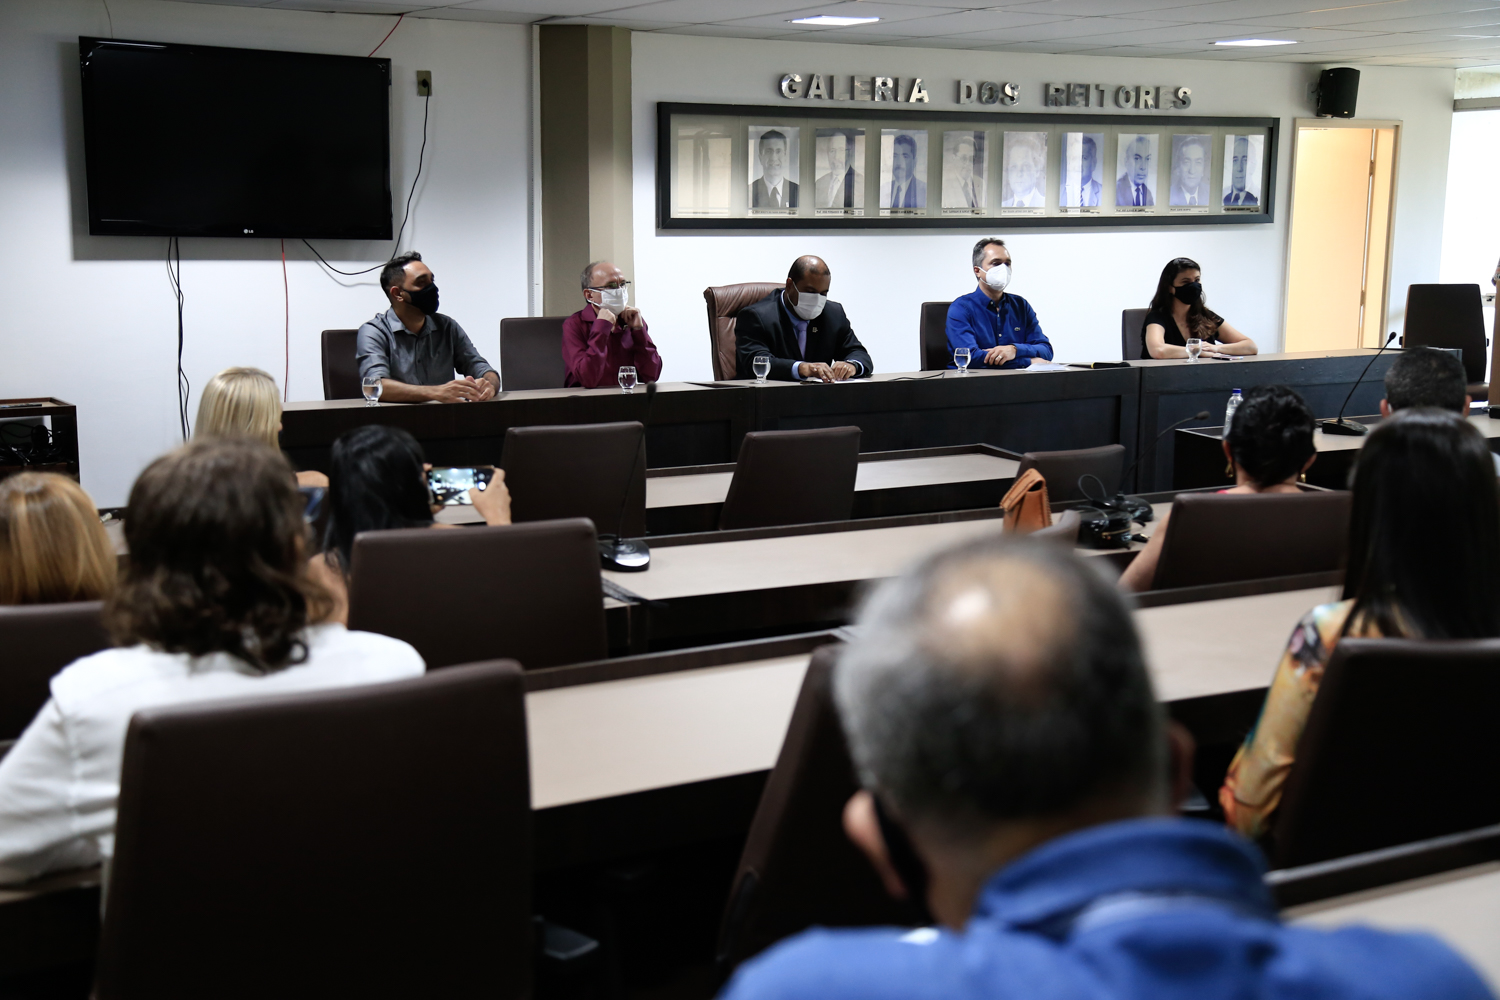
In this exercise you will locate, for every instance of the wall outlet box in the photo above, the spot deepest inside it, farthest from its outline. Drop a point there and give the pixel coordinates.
(424, 83)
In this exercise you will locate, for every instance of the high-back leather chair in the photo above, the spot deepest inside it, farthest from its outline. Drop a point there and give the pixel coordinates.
(1450, 316)
(935, 354)
(793, 477)
(579, 470)
(340, 366)
(531, 352)
(1398, 747)
(1064, 528)
(368, 841)
(529, 592)
(798, 869)
(1132, 334)
(724, 301)
(37, 641)
(1216, 538)
(1062, 470)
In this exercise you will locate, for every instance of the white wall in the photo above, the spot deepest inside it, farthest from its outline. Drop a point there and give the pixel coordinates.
(92, 319)
(1079, 280)
(1471, 224)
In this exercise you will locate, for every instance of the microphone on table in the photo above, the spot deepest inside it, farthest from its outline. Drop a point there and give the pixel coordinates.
(1338, 425)
(1139, 510)
(628, 555)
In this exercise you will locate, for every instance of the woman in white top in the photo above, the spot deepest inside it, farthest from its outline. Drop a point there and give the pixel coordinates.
(215, 602)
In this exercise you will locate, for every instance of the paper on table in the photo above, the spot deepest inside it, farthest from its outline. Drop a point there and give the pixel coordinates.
(1045, 366)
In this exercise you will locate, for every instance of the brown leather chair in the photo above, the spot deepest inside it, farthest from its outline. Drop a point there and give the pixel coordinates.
(1132, 334)
(1064, 528)
(793, 477)
(340, 366)
(579, 470)
(531, 352)
(1450, 316)
(366, 841)
(798, 868)
(1216, 538)
(529, 592)
(724, 302)
(39, 640)
(935, 354)
(1399, 747)
(1062, 470)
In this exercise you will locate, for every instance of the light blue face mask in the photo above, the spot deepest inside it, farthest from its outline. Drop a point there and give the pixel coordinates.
(809, 305)
(998, 277)
(614, 299)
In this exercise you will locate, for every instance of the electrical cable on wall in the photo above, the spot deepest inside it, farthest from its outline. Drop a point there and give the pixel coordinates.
(111, 18)
(388, 35)
(184, 387)
(286, 298)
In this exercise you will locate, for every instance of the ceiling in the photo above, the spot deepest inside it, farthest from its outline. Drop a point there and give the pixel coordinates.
(1456, 33)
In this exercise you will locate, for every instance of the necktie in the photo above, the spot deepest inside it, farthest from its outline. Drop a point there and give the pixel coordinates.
(776, 196)
(1193, 198)
(1140, 194)
(802, 340)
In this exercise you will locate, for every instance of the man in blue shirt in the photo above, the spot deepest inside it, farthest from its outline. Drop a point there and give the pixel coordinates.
(1018, 776)
(998, 327)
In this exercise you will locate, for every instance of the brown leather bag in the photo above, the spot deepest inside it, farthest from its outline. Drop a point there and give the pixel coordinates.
(1025, 504)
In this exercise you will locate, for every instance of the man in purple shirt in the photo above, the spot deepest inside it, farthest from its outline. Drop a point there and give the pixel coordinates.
(606, 333)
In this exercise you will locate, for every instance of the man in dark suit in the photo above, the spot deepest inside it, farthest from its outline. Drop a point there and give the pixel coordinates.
(1239, 166)
(1134, 187)
(807, 337)
(772, 189)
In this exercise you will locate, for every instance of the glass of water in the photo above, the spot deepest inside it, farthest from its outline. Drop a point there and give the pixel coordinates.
(961, 359)
(1194, 348)
(627, 378)
(762, 364)
(371, 387)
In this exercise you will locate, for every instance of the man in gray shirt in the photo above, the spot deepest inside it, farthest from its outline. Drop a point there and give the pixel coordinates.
(414, 350)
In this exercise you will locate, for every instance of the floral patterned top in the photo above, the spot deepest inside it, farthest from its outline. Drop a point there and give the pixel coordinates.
(1252, 788)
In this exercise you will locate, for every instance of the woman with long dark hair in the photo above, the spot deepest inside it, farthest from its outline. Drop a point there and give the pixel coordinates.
(1178, 312)
(1408, 576)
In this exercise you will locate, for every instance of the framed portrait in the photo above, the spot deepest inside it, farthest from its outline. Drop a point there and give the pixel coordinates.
(1135, 172)
(700, 187)
(774, 169)
(963, 173)
(1081, 186)
(1192, 157)
(1242, 172)
(838, 172)
(1023, 189)
(903, 171)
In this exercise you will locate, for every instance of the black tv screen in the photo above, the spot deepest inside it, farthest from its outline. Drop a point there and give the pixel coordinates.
(193, 140)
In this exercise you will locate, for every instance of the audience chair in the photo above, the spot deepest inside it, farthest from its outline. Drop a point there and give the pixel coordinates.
(1398, 748)
(798, 868)
(340, 367)
(529, 592)
(1062, 470)
(579, 470)
(1213, 538)
(793, 477)
(934, 326)
(370, 841)
(1132, 334)
(38, 641)
(724, 302)
(1064, 528)
(531, 352)
(1450, 316)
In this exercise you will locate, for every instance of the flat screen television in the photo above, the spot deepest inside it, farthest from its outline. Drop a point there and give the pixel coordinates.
(193, 140)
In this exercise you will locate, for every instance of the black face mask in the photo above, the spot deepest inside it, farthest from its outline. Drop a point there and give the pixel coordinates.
(425, 299)
(1189, 293)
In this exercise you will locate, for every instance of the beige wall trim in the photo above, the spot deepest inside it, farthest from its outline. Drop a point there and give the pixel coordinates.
(586, 156)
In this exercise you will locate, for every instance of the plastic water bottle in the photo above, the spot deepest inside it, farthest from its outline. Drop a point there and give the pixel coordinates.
(1235, 399)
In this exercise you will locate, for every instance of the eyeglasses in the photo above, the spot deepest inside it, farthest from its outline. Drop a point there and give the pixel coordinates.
(612, 285)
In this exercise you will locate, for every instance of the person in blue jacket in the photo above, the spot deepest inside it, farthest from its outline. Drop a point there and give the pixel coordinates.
(999, 328)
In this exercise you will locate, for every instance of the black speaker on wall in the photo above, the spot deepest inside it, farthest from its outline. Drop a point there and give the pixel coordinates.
(1338, 89)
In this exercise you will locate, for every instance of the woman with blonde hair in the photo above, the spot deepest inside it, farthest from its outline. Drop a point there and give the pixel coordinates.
(52, 546)
(243, 402)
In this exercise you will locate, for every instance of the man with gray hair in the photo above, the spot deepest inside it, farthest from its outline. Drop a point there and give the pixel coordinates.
(1015, 768)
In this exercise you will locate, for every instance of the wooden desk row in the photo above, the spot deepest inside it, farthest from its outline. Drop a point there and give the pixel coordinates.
(696, 424)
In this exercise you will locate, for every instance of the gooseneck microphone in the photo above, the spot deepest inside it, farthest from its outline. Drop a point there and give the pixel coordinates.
(629, 555)
(1125, 476)
(1338, 425)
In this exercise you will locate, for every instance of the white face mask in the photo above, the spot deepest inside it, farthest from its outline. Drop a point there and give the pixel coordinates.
(614, 299)
(809, 305)
(998, 277)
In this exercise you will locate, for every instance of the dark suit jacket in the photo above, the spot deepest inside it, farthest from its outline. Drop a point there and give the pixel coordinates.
(1249, 199)
(760, 195)
(765, 328)
(1125, 192)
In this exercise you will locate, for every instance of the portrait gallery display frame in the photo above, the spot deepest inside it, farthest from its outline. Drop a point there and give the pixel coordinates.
(703, 153)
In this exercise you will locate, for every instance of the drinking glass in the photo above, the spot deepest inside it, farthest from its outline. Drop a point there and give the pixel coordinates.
(1194, 348)
(371, 388)
(762, 365)
(627, 378)
(961, 359)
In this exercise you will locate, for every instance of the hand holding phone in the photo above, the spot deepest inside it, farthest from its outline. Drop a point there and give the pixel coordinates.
(450, 485)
